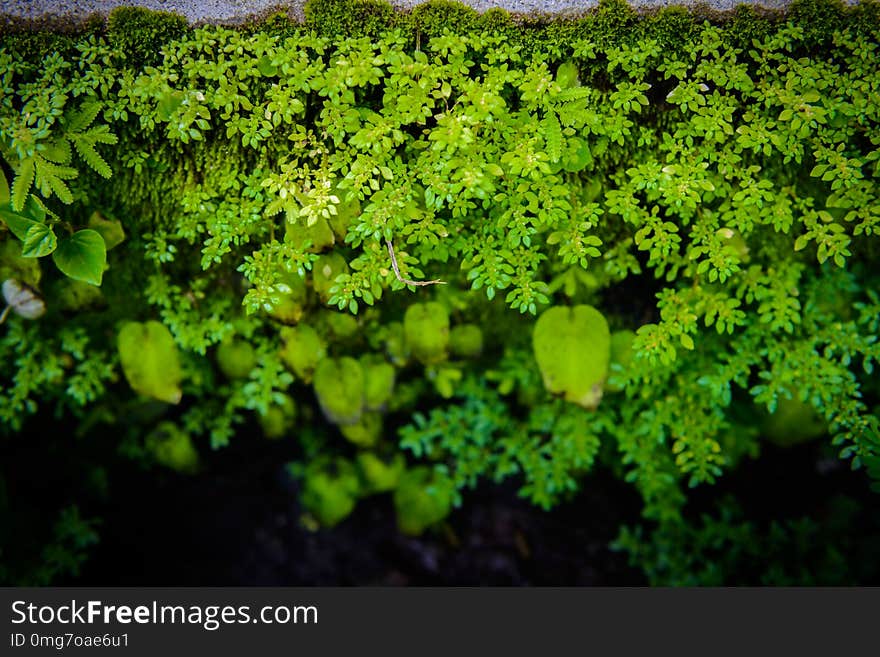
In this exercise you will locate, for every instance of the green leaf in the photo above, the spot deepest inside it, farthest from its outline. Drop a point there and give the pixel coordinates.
(552, 135)
(17, 224)
(82, 256)
(339, 386)
(150, 360)
(4, 189)
(567, 74)
(40, 241)
(110, 230)
(266, 67)
(426, 328)
(422, 499)
(88, 112)
(22, 183)
(572, 347)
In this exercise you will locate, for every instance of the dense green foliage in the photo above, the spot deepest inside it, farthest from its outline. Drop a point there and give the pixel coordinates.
(269, 204)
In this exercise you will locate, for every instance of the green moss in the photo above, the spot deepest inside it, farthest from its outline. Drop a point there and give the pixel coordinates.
(818, 18)
(434, 17)
(13, 265)
(319, 235)
(140, 34)
(351, 18)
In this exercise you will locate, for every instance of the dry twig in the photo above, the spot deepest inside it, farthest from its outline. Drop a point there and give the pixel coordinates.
(397, 270)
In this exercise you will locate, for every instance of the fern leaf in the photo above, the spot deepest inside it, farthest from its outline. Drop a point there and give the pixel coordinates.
(82, 119)
(21, 186)
(86, 149)
(57, 151)
(572, 94)
(573, 115)
(552, 135)
(101, 134)
(50, 179)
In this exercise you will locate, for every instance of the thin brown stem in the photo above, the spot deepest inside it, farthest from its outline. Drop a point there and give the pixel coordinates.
(397, 270)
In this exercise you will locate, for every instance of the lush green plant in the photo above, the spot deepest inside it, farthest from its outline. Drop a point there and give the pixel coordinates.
(689, 209)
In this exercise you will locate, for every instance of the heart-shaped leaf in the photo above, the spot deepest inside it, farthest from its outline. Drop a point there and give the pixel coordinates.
(82, 256)
(40, 241)
(573, 350)
(150, 360)
(110, 230)
(426, 327)
(339, 385)
(18, 225)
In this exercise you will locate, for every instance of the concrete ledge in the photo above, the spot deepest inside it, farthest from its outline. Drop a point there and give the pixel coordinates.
(237, 11)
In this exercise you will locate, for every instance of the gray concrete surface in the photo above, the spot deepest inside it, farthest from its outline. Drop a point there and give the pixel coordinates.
(201, 11)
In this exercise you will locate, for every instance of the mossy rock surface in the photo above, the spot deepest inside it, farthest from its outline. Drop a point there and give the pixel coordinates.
(319, 235)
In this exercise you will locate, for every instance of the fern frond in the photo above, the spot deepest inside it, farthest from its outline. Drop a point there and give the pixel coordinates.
(57, 151)
(50, 179)
(79, 121)
(572, 94)
(85, 142)
(21, 185)
(86, 149)
(552, 135)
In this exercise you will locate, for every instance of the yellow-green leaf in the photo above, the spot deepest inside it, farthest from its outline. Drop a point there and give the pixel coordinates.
(150, 360)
